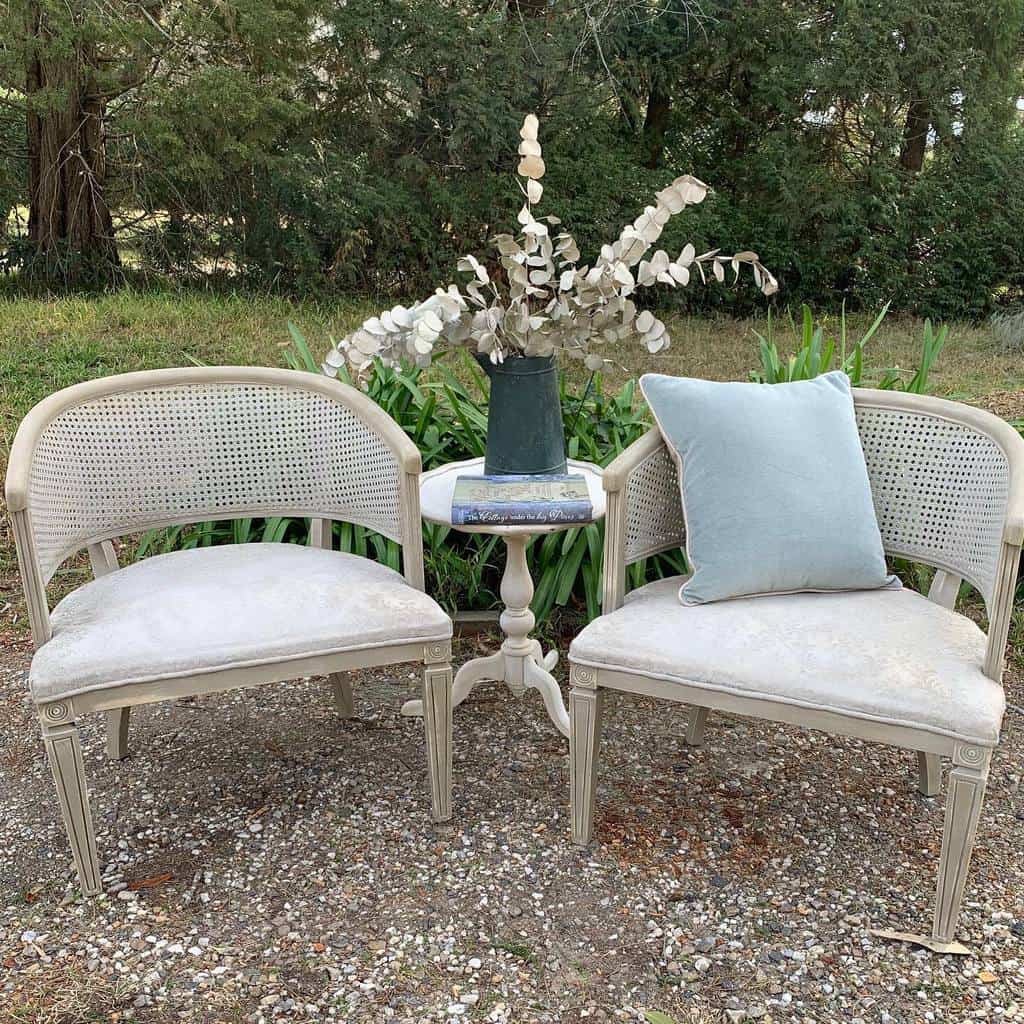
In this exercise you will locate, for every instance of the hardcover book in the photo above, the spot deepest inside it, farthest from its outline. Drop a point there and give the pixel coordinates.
(521, 500)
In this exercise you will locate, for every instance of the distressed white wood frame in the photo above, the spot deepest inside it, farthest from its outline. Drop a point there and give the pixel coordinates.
(646, 518)
(59, 717)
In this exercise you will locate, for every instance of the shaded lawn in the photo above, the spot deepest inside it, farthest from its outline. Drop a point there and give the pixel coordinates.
(49, 344)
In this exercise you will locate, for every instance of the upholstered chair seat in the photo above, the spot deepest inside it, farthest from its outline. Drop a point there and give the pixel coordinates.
(236, 606)
(887, 656)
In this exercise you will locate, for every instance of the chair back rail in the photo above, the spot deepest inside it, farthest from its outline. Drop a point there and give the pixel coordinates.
(165, 447)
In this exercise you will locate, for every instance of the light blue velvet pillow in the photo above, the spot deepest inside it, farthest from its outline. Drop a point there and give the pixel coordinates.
(774, 486)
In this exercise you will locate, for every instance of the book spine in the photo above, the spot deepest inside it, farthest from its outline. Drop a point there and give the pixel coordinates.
(512, 514)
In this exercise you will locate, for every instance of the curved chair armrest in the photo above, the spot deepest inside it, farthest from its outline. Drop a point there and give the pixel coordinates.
(1001, 610)
(31, 577)
(644, 512)
(616, 474)
(1001, 605)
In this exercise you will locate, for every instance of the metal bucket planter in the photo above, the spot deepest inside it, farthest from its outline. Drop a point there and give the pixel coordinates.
(524, 419)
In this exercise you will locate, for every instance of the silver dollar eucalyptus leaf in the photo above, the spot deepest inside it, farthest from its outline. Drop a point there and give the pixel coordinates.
(530, 126)
(532, 167)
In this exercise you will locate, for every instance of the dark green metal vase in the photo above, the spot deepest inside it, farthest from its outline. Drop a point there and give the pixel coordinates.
(524, 419)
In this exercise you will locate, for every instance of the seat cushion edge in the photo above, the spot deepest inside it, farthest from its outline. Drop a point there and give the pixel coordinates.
(772, 698)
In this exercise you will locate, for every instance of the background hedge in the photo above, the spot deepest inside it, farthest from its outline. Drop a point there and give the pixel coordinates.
(868, 151)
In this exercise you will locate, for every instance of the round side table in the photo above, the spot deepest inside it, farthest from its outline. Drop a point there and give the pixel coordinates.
(520, 663)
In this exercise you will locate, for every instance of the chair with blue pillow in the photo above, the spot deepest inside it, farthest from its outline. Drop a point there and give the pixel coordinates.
(883, 664)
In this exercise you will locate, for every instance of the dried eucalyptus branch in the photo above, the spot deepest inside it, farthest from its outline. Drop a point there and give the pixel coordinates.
(547, 302)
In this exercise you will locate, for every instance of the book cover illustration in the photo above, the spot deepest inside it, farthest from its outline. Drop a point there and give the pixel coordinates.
(521, 500)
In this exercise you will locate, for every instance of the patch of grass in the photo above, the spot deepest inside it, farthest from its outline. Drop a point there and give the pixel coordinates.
(517, 949)
(46, 344)
(971, 365)
(65, 995)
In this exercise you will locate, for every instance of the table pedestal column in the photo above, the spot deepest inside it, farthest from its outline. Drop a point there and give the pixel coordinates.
(520, 663)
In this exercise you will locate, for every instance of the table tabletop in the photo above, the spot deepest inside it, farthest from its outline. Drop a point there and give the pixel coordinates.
(438, 485)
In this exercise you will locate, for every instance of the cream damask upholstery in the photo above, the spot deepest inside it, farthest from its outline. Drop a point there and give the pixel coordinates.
(140, 451)
(208, 609)
(947, 484)
(888, 656)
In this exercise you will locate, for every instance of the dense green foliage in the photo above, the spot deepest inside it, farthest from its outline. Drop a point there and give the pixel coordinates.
(868, 152)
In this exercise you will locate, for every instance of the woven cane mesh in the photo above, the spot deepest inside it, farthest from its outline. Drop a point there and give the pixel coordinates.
(940, 490)
(654, 511)
(190, 452)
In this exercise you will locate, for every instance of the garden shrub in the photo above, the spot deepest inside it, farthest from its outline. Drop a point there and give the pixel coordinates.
(307, 145)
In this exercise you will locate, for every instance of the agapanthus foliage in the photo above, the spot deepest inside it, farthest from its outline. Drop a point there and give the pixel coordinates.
(542, 301)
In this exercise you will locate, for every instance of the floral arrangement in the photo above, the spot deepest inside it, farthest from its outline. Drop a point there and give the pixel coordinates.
(542, 301)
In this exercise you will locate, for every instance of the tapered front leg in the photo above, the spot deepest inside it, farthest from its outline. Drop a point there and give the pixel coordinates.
(64, 751)
(437, 728)
(965, 793)
(585, 710)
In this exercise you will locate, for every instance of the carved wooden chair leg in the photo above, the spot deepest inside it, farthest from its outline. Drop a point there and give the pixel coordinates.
(341, 688)
(695, 722)
(929, 773)
(117, 733)
(64, 750)
(437, 727)
(585, 713)
(965, 793)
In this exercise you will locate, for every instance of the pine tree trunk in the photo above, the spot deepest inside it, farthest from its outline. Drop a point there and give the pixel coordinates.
(659, 108)
(915, 137)
(69, 221)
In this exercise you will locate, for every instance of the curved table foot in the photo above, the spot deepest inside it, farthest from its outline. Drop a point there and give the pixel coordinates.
(549, 660)
(537, 676)
(478, 670)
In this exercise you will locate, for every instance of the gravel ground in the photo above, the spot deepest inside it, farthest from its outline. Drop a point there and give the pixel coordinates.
(266, 861)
